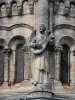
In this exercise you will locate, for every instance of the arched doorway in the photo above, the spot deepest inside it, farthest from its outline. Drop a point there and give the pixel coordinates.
(65, 65)
(19, 64)
(1, 65)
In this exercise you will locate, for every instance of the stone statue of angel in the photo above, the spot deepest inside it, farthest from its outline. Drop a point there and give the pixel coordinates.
(38, 45)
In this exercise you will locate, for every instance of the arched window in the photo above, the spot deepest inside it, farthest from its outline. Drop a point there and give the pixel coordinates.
(19, 64)
(65, 65)
(1, 65)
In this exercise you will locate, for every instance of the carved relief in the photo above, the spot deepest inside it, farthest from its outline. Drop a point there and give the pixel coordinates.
(3, 10)
(16, 8)
(20, 10)
(61, 7)
(31, 6)
(26, 7)
(72, 10)
(8, 11)
(38, 45)
(56, 7)
(66, 8)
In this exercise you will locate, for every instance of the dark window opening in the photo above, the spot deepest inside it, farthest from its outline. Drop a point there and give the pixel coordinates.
(65, 65)
(19, 64)
(1, 65)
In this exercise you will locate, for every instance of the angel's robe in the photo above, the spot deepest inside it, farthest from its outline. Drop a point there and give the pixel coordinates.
(41, 70)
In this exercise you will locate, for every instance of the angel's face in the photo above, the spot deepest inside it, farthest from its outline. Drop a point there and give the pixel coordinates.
(42, 28)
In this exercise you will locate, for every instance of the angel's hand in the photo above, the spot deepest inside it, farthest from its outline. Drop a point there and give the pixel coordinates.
(32, 45)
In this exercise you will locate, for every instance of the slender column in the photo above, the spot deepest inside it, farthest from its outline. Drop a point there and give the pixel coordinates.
(7, 52)
(12, 67)
(27, 63)
(43, 12)
(57, 63)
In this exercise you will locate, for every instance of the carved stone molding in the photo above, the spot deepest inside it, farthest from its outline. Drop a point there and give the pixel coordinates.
(16, 26)
(64, 26)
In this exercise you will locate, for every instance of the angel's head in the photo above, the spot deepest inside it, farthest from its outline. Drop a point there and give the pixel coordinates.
(42, 28)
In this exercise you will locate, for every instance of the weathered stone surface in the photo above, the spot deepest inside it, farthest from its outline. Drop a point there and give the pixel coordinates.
(16, 25)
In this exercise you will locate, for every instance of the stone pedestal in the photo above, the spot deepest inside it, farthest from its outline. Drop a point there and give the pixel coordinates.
(43, 92)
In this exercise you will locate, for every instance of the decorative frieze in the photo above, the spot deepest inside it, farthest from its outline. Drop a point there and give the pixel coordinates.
(66, 8)
(16, 8)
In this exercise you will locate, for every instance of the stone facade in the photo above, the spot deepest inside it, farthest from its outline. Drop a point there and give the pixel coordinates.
(19, 26)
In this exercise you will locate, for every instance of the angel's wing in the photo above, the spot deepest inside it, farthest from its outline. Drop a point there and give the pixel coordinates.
(33, 34)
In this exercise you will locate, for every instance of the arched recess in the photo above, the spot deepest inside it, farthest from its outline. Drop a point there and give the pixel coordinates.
(65, 64)
(16, 44)
(3, 45)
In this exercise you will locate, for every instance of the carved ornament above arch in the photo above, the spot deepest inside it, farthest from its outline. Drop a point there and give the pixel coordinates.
(16, 26)
(64, 26)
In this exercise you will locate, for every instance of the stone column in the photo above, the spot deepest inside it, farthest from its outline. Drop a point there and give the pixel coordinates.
(26, 62)
(57, 63)
(57, 84)
(7, 52)
(43, 12)
(12, 67)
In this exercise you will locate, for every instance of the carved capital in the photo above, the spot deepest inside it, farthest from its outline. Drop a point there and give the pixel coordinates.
(26, 48)
(7, 50)
(58, 48)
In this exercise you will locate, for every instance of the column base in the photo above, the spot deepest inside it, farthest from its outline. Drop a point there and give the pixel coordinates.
(58, 86)
(5, 85)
